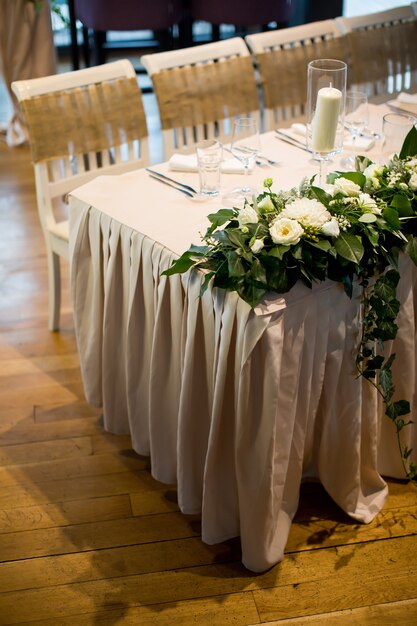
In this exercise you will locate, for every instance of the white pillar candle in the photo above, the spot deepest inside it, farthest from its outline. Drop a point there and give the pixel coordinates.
(325, 119)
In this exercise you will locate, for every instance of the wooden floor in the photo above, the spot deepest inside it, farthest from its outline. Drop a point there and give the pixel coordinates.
(88, 537)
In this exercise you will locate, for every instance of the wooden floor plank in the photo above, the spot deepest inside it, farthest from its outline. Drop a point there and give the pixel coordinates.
(94, 536)
(83, 487)
(79, 465)
(235, 610)
(65, 513)
(113, 562)
(294, 588)
(44, 451)
(389, 614)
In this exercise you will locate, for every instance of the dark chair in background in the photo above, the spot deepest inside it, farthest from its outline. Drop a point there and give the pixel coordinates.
(242, 13)
(100, 16)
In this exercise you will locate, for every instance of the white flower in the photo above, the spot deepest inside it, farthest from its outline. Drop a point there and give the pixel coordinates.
(366, 202)
(247, 215)
(257, 246)
(347, 187)
(413, 181)
(331, 228)
(373, 170)
(286, 231)
(328, 188)
(307, 212)
(412, 163)
(266, 204)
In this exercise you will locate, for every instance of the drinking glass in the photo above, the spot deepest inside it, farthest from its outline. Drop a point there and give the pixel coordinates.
(209, 157)
(326, 91)
(356, 120)
(395, 128)
(245, 146)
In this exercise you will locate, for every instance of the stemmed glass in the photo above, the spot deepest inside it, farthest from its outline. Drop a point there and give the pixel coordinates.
(245, 146)
(326, 90)
(356, 120)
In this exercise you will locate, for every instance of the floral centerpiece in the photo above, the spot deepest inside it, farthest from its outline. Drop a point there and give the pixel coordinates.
(353, 227)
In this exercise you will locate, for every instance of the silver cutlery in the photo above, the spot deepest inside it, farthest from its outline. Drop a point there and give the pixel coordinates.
(258, 157)
(293, 142)
(166, 181)
(171, 180)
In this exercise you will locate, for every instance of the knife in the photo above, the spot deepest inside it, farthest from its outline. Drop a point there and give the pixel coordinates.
(167, 181)
(171, 180)
(294, 142)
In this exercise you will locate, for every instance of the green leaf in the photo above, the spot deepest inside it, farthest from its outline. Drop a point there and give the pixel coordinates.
(367, 218)
(321, 195)
(206, 282)
(411, 249)
(251, 293)
(384, 290)
(322, 244)
(391, 217)
(356, 177)
(409, 147)
(349, 247)
(234, 264)
(221, 217)
(257, 272)
(186, 260)
(278, 251)
(402, 204)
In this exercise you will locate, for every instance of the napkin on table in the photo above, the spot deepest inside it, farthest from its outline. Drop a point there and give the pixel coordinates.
(360, 143)
(188, 163)
(408, 98)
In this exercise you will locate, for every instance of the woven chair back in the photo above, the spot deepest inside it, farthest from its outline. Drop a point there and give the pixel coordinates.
(199, 94)
(85, 120)
(283, 71)
(384, 60)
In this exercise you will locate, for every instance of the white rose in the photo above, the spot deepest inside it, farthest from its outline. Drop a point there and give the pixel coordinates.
(247, 215)
(266, 204)
(347, 187)
(373, 170)
(331, 228)
(308, 212)
(413, 181)
(286, 231)
(366, 202)
(257, 245)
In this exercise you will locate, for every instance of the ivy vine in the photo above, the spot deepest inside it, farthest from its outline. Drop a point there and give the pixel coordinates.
(380, 310)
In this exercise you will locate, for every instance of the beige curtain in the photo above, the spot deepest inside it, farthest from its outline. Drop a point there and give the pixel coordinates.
(26, 51)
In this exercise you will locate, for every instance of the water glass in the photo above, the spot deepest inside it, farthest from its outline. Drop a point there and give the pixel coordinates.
(395, 128)
(209, 158)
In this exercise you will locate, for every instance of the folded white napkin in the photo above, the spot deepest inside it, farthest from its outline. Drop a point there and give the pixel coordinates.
(408, 98)
(360, 143)
(188, 163)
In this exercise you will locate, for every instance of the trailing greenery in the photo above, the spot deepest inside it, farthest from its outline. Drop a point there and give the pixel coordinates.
(352, 228)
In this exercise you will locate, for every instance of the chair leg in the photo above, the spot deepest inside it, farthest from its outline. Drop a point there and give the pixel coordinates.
(54, 294)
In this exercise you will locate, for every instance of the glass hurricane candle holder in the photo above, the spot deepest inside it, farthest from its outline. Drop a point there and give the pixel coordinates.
(326, 94)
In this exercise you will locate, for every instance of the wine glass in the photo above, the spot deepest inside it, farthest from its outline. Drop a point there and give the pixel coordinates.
(245, 146)
(356, 120)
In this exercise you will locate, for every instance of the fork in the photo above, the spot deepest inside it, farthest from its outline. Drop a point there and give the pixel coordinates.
(258, 157)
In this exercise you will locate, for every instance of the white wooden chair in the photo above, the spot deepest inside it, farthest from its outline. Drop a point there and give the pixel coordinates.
(383, 50)
(281, 57)
(200, 90)
(80, 124)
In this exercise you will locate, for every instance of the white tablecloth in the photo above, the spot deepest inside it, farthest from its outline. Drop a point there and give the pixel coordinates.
(233, 405)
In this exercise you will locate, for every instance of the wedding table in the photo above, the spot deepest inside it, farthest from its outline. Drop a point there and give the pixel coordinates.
(236, 406)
